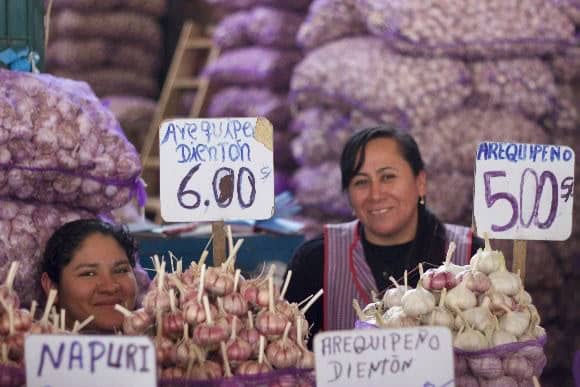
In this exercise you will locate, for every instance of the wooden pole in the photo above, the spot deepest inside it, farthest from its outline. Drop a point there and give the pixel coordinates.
(219, 242)
(519, 262)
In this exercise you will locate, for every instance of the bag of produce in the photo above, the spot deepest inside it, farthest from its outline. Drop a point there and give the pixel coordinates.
(296, 5)
(58, 144)
(469, 29)
(254, 66)
(497, 338)
(329, 20)
(385, 86)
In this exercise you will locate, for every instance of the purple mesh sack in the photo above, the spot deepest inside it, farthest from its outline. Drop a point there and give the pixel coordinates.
(382, 84)
(522, 85)
(570, 7)
(566, 118)
(231, 31)
(75, 55)
(150, 7)
(58, 144)
(513, 364)
(24, 230)
(463, 130)
(284, 377)
(273, 27)
(115, 25)
(254, 66)
(323, 133)
(296, 5)
(566, 67)
(251, 102)
(12, 375)
(319, 187)
(470, 28)
(329, 20)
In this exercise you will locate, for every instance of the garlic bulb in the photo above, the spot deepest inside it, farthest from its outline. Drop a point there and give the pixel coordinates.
(515, 323)
(498, 301)
(460, 297)
(501, 337)
(505, 282)
(487, 260)
(519, 367)
(418, 301)
(523, 297)
(470, 340)
(480, 317)
(439, 316)
(392, 296)
(373, 307)
(397, 318)
(476, 281)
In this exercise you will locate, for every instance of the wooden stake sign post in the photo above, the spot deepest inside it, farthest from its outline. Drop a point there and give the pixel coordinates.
(523, 192)
(214, 170)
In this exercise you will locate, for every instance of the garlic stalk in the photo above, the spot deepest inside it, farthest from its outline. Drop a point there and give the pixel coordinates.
(487, 260)
(418, 301)
(523, 297)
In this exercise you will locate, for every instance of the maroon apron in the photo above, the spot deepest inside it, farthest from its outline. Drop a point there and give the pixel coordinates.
(347, 276)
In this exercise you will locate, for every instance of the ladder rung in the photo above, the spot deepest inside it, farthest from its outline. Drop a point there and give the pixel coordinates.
(152, 162)
(187, 83)
(198, 43)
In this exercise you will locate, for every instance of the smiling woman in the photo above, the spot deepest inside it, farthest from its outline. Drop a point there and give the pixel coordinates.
(385, 181)
(91, 264)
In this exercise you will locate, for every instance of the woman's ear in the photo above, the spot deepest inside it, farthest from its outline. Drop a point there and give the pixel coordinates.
(47, 284)
(422, 183)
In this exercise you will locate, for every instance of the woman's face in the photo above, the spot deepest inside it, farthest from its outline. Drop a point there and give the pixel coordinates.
(98, 277)
(384, 194)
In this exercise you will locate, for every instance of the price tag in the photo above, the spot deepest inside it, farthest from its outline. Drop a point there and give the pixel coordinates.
(380, 357)
(524, 191)
(216, 169)
(59, 360)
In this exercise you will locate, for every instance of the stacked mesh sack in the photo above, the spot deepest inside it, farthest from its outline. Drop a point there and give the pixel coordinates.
(63, 157)
(116, 46)
(252, 73)
(453, 73)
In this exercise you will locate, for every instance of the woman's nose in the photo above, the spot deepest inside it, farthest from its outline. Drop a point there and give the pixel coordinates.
(376, 190)
(108, 284)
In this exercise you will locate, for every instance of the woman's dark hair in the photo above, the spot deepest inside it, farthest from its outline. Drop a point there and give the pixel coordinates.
(67, 239)
(351, 163)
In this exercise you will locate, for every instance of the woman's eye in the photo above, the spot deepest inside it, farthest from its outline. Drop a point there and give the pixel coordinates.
(387, 177)
(87, 274)
(359, 183)
(122, 269)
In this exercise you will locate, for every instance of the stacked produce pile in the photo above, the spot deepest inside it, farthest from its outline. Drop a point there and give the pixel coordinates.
(211, 323)
(453, 73)
(252, 74)
(496, 333)
(62, 157)
(115, 46)
(17, 321)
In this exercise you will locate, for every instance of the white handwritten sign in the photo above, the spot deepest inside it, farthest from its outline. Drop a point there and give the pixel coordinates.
(524, 191)
(59, 360)
(216, 169)
(418, 357)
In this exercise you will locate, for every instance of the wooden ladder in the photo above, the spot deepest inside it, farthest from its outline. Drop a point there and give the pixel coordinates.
(192, 53)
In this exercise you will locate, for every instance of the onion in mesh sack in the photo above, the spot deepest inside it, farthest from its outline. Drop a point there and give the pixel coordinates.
(469, 28)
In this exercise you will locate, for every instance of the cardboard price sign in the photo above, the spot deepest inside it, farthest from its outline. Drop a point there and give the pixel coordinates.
(524, 191)
(216, 169)
(380, 357)
(55, 360)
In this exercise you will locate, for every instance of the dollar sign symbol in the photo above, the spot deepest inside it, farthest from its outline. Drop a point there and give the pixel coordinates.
(567, 187)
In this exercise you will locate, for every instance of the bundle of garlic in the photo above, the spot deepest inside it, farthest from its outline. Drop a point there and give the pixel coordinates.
(16, 322)
(496, 333)
(209, 323)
